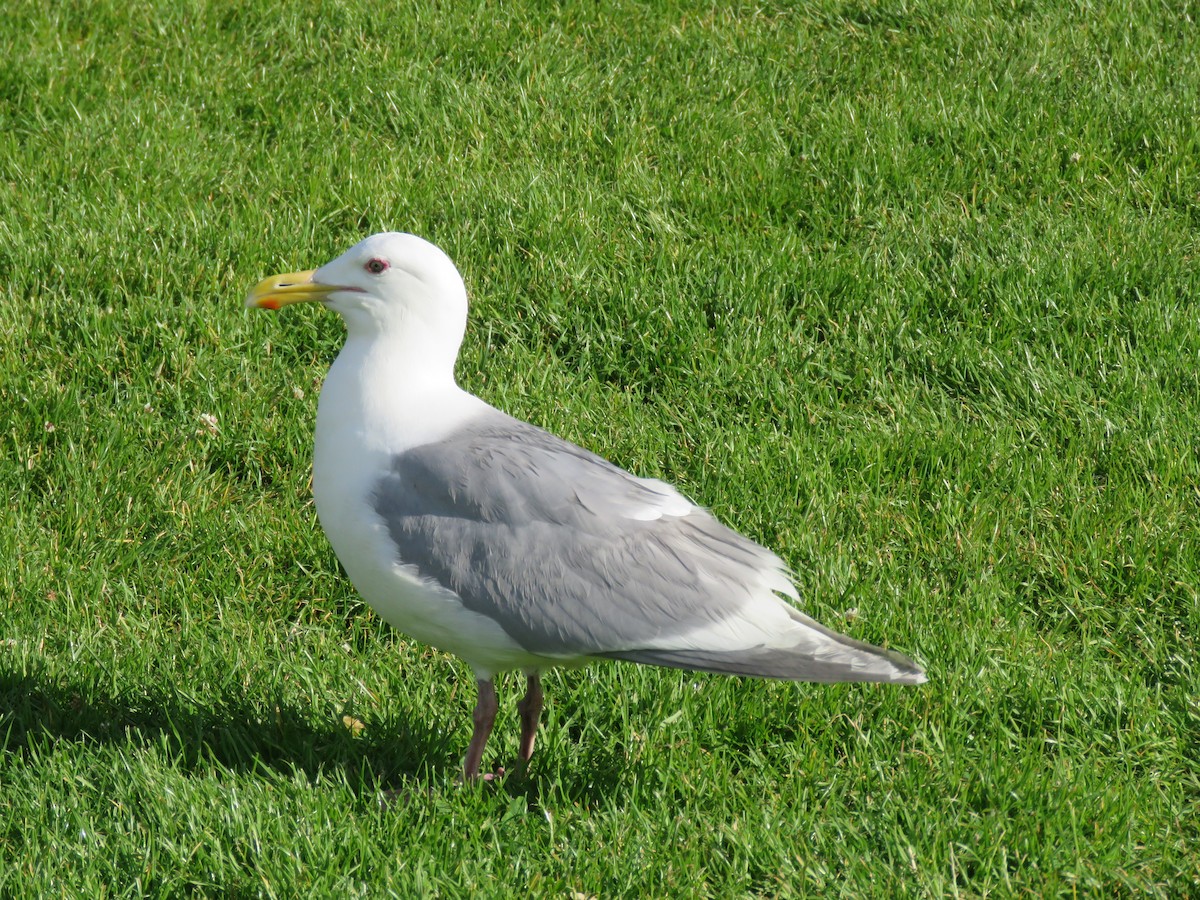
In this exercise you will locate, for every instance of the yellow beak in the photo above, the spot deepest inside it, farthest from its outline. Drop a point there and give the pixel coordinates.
(292, 287)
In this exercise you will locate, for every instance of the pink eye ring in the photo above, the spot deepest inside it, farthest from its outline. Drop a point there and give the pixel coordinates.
(376, 266)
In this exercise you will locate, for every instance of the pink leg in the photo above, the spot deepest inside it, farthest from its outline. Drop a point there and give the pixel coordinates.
(484, 717)
(530, 709)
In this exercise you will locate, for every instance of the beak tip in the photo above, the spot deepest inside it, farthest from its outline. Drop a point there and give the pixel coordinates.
(280, 290)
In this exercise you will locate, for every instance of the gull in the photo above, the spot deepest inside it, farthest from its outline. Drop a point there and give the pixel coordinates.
(494, 540)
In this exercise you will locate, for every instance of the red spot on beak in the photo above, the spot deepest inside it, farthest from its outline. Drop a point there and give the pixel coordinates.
(269, 304)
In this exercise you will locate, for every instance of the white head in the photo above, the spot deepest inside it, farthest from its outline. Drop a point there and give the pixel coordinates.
(390, 287)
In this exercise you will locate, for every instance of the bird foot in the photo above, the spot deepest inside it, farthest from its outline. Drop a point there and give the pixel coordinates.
(482, 776)
(517, 770)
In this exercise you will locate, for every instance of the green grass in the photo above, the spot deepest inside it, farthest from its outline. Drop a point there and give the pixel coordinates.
(905, 290)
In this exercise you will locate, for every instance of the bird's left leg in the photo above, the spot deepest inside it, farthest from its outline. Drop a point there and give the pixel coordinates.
(483, 719)
(530, 709)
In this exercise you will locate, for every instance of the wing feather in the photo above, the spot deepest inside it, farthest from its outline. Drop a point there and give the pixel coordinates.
(573, 556)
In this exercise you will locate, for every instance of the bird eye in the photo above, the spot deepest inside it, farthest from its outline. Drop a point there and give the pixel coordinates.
(376, 266)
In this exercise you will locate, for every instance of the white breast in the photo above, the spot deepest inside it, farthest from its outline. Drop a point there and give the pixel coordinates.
(365, 417)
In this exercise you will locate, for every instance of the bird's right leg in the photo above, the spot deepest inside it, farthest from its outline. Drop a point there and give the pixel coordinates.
(484, 718)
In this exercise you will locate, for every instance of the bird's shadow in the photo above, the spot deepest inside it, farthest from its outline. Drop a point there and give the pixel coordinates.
(245, 733)
(226, 730)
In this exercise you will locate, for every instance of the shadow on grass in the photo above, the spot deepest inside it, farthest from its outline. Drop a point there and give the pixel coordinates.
(229, 731)
(247, 733)
(603, 774)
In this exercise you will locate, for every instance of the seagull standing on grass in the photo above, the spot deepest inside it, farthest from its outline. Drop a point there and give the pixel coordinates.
(496, 541)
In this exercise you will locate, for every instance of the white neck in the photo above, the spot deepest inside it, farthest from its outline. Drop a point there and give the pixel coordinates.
(386, 395)
(425, 344)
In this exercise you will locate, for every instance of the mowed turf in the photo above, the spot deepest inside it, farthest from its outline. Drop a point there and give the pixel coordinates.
(904, 290)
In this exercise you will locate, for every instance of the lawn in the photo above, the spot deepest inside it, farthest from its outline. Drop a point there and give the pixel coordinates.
(904, 290)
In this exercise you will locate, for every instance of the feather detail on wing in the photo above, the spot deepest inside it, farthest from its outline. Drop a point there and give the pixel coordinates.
(573, 556)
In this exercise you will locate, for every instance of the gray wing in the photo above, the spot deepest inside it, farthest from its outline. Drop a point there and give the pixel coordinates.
(574, 556)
